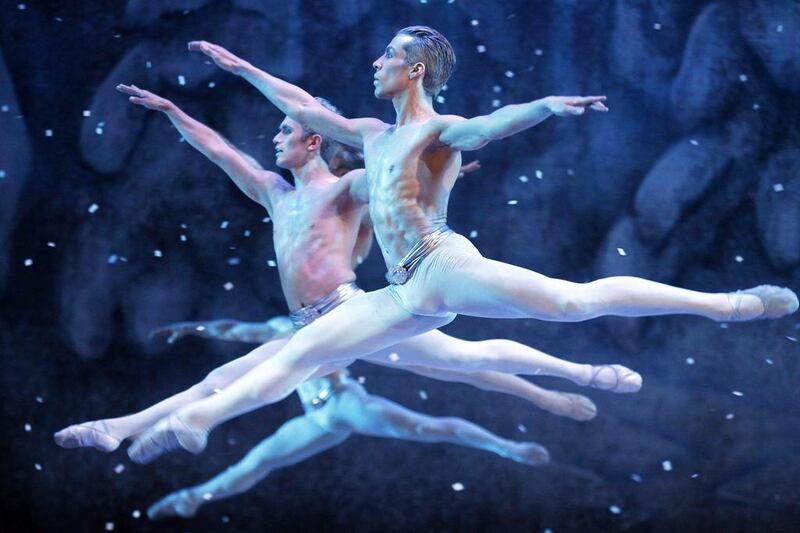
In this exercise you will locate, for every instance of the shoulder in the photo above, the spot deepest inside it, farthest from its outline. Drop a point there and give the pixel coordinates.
(273, 182)
(370, 126)
(439, 123)
(354, 174)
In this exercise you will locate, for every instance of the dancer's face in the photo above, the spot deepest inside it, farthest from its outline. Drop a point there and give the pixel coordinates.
(391, 70)
(291, 150)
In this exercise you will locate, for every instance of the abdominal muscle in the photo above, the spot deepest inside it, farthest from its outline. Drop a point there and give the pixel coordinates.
(314, 257)
(409, 202)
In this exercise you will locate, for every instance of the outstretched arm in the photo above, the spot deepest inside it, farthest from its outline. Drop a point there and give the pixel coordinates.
(228, 330)
(292, 100)
(476, 132)
(258, 184)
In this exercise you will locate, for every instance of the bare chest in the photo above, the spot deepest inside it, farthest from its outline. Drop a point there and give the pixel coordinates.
(299, 215)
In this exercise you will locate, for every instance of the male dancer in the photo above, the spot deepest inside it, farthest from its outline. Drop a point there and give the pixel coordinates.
(330, 418)
(434, 273)
(318, 230)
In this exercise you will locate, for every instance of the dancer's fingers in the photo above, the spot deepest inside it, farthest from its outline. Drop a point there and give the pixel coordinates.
(197, 46)
(126, 89)
(599, 106)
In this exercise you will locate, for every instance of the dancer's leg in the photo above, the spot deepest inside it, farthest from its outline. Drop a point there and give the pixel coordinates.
(575, 406)
(488, 288)
(228, 330)
(105, 435)
(357, 327)
(379, 417)
(295, 441)
(501, 355)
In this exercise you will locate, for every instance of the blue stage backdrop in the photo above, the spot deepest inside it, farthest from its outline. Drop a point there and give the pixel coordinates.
(692, 178)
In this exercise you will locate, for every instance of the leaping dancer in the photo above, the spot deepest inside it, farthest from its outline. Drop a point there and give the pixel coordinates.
(319, 233)
(434, 273)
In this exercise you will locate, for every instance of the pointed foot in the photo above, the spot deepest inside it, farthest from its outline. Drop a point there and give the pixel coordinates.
(93, 434)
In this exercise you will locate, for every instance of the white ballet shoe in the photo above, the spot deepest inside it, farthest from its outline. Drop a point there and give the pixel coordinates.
(168, 434)
(530, 453)
(180, 503)
(777, 302)
(93, 434)
(625, 379)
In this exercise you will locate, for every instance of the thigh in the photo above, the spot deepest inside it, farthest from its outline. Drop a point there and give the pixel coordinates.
(378, 417)
(359, 327)
(296, 440)
(229, 372)
(424, 349)
(487, 288)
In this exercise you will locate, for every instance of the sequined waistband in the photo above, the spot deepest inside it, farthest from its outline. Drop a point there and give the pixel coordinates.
(308, 314)
(401, 272)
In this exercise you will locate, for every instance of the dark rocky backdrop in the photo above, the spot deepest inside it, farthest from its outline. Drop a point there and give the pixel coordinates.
(693, 178)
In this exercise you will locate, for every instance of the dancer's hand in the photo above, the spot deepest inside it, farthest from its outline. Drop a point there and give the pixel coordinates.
(145, 98)
(469, 167)
(222, 57)
(563, 106)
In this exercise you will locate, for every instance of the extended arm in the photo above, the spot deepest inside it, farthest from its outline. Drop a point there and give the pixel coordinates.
(256, 183)
(476, 132)
(228, 330)
(292, 100)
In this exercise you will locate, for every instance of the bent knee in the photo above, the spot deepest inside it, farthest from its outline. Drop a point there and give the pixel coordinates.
(573, 305)
(215, 381)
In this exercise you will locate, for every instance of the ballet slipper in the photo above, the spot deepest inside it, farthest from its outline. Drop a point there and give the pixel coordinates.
(579, 407)
(168, 434)
(625, 379)
(777, 302)
(180, 503)
(93, 434)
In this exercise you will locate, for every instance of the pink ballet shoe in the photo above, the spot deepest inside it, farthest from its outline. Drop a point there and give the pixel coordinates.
(579, 407)
(625, 379)
(777, 302)
(93, 434)
(168, 434)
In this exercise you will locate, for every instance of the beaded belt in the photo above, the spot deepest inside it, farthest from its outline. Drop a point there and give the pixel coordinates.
(308, 314)
(400, 273)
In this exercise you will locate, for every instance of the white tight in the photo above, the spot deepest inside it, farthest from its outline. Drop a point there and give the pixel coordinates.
(453, 279)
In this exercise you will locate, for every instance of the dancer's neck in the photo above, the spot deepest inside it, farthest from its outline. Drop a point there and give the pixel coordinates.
(412, 106)
(312, 172)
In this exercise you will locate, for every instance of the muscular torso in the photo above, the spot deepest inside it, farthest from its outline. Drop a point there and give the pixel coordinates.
(410, 179)
(314, 233)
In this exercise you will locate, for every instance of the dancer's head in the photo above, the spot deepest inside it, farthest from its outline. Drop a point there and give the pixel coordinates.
(296, 144)
(344, 160)
(417, 57)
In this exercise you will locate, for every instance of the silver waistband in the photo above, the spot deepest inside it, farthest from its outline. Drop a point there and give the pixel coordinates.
(308, 314)
(324, 389)
(400, 273)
